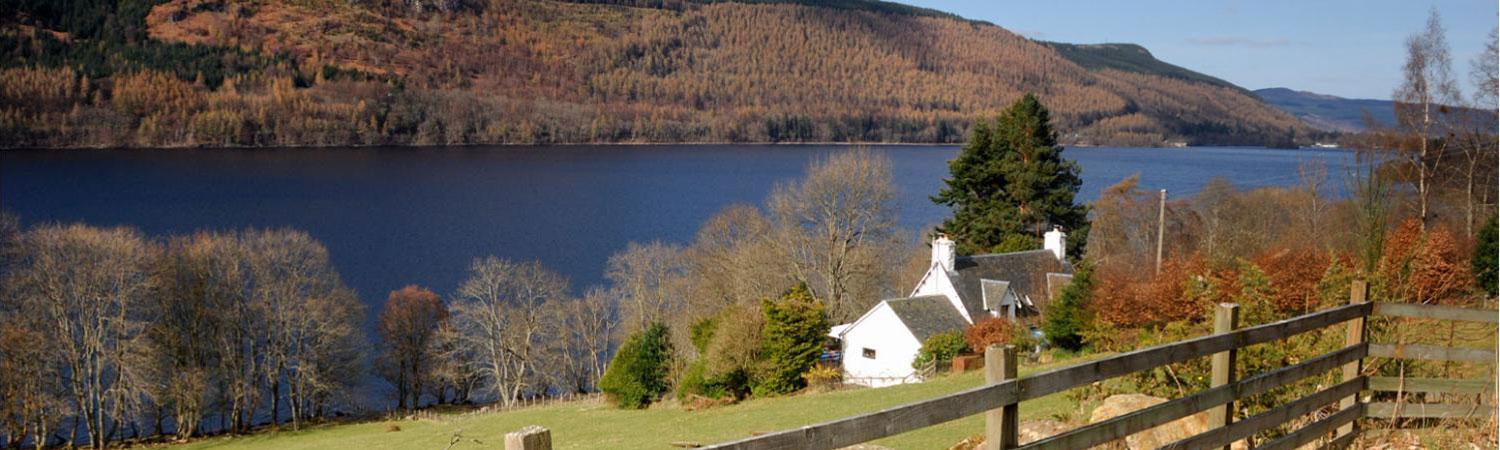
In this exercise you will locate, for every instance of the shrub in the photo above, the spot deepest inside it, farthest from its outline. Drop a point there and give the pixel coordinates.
(1486, 262)
(638, 374)
(697, 381)
(1022, 336)
(732, 354)
(1296, 273)
(940, 348)
(1068, 316)
(700, 379)
(702, 332)
(824, 377)
(791, 341)
(1424, 267)
(988, 332)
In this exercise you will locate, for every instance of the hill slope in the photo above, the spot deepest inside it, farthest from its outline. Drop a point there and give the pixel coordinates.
(1328, 112)
(289, 72)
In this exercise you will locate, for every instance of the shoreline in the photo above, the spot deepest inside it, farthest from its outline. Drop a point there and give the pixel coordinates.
(621, 144)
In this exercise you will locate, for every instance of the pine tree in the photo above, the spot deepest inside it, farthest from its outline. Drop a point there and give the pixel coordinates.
(1011, 179)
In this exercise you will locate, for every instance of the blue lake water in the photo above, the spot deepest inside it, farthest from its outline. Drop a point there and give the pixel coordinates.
(397, 216)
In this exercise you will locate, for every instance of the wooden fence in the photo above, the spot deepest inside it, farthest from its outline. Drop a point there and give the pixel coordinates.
(1395, 410)
(999, 399)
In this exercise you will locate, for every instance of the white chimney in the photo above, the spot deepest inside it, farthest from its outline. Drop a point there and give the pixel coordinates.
(1057, 242)
(942, 252)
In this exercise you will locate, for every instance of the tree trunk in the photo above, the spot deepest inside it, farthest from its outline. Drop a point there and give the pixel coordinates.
(276, 404)
(1469, 198)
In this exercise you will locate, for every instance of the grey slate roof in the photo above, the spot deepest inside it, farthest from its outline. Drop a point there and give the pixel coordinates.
(927, 315)
(1026, 271)
(993, 292)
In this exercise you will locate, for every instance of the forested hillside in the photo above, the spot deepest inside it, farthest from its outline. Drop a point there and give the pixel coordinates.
(297, 72)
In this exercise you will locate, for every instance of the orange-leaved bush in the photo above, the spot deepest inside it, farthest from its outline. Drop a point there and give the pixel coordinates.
(1424, 267)
(988, 332)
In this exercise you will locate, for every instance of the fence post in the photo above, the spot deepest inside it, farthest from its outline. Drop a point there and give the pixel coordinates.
(530, 438)
(1359, 292)
(1226, 319)
(1001, 425)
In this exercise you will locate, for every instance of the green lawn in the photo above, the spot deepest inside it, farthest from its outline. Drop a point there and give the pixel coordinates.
(590, 425)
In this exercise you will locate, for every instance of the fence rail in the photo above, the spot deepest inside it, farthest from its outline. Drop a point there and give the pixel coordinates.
(1001, 396)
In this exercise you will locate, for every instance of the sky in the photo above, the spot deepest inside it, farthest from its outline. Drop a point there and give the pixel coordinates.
(1350, 49)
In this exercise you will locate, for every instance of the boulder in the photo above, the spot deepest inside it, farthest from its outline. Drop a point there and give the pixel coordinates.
(1030, 431)
(1157, 437)
(1036, 430)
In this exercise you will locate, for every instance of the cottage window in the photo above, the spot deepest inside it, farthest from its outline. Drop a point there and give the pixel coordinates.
(869, 353)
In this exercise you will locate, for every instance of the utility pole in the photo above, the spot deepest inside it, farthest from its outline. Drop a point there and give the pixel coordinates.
(1161, 229)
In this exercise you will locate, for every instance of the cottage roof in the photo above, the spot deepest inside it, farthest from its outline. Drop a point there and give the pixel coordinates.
(1026, 272)
(927, 315)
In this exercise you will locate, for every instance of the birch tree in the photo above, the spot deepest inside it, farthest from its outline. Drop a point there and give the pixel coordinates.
(1427, 91)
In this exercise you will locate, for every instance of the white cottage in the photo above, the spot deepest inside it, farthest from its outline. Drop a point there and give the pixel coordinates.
(956, 292)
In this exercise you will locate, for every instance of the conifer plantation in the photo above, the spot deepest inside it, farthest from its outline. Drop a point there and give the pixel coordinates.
(152, 73)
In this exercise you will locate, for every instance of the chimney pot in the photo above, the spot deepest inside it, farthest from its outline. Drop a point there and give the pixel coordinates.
(943, 252)
(1057, 242)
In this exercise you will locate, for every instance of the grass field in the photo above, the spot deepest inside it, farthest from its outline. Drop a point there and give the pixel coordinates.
(591, 424)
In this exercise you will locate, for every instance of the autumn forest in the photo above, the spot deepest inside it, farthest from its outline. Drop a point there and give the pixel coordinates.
(151, 73)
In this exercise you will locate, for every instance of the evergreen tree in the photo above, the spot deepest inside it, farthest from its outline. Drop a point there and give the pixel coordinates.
(1485, 257)
(638, 374)
(1010, 180)
(792, 340)
(1068, 316)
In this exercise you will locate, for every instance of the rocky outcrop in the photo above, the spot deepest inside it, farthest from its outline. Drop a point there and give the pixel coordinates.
(1157, 437)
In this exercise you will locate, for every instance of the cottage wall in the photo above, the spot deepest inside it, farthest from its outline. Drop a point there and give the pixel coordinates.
(894, 349)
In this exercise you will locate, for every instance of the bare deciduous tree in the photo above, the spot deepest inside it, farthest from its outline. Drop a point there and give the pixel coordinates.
(585, 336)
(198, 278)
(837, 227)
(734, 260)
(306, 312)
(650, 278)
(501, 314)
(86, 286)
(1475, 132)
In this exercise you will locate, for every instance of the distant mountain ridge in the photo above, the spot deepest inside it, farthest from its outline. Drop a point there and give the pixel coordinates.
(1330, 112)
(437, 72)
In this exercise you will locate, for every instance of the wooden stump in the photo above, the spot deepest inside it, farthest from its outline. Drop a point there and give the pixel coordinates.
(530, 438)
